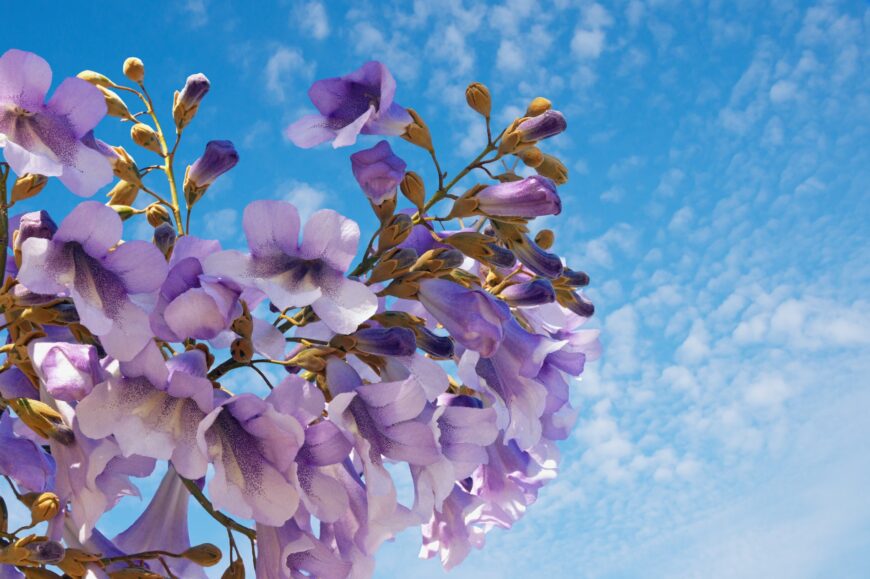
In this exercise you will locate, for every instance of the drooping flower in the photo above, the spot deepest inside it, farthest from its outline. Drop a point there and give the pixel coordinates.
(473, 318)
(79, 261)
(163, 527)
(294, 274)
(530, 197)
(360, 102)
(23, 460)
(378, 172)
(153, 408)
(45, 138)
(289, 551)
(252, 447)
(448, 533)
(68, 371)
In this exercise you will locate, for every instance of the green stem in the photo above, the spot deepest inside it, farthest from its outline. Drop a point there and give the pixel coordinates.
(216, 514)
(169, 158)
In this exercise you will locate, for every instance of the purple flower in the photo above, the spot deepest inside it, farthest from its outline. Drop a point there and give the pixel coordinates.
(291, 551)
(474, 318)
(529, 293)
(531, 197)
(378, 171)
(92, 475)
(540, 262)
(190, 304)
(386, 341)
(79, 261)
(294, 274)
(163, 527)
(252, 447)
(68, 371)
(195, 88)
(153, 408)
(45, 138)
(448, 534)
(23, 460)
(360, 102)
(545, 125)
(38, 224)
(219, 157)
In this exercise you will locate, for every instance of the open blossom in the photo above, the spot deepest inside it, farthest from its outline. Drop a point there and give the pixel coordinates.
(360, 102)
(448, 533)
(79, 261)
(45, 138)
(23, 460)
(68, 371)
(378, 171)
(294, 274)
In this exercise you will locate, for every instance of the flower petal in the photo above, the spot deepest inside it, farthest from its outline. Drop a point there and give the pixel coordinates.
(140, 266)
(271, 227)
(80, 102)
(93, 225)
(345, 304)
(330, 237)
(24, 76)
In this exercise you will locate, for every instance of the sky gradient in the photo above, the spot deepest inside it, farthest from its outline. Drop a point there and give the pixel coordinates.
(719, 158)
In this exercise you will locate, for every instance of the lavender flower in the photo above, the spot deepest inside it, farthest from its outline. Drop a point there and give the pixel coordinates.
(531, 197)
(378, 171)
(543, 126)
(218, 158)
(360, 102)
(23, 460)
(68, 371)
(78, 262)
(45, 138)
(294, 274)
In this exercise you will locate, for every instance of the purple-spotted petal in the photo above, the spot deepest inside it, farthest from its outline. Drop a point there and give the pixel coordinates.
(140, 266)
(94, 226)
(80, 102)
(271, 227)
(24, 77)
(330, 237)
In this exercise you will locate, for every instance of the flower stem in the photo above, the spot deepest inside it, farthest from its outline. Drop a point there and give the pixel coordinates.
(4, 218)
(216, 514)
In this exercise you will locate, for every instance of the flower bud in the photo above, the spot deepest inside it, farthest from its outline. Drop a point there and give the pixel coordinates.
(74, 562)
(413, 188)
(395, 232)
(501, 256)
(552, 168)
(378, 171)
(531, 156)
(385, 341)
(575, 302)
(417, 132)
(311, 359)
(205, 555)
(156, 214)
(242, 350)
(529, 293)
(125, 212)
(188, 99)
(236, 570)
(164, 238)
(134, 69)
(545, 238)
(27, 186)
(146, 137)
(532, 197)
(218, 158)
(478, 98)
(433, 344)
(123, 193)
(394, 262)
(41, 550)
(95, 78)
(124, 167)
(527, 251)
(43, 506)
(243, 326)
(41, 419)
(134, 573)
(538, 106)
(115, 106)
(574, 278)
(438, 260)
(543, 126)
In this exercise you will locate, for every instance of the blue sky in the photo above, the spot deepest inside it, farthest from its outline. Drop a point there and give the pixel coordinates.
(719, 157)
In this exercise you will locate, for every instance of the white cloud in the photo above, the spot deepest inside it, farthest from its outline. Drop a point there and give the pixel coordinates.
(312, 19)
(221, 223)
(782, 91)
(306, 197)
(510, 57)
(284, 65)
(588, 43)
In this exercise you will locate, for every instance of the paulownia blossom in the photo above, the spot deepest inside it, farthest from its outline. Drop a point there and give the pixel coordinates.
(295, 274)
(84, 261)
(360, 102)
(45, 138)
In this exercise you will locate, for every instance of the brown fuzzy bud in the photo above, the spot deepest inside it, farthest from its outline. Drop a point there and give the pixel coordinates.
(39, 573)
(43, 506)
(74, 561)
(385, 210)
(509, 142)
(40, 418)
(413, 189)
(554, 169)
(395, 232)
(242, 350)
(236, 570)
(123, 193)
(156, 214)
(27, 186)
(95, 78)
(538, 106)
(478, 98)
(243, 326)
(531, 156)
(134, 69)
(146, 137)
(417, 132)
(545, 238)
(393, 263)
(205, 555)
(312, 359)
(125, 167)
(115, 105)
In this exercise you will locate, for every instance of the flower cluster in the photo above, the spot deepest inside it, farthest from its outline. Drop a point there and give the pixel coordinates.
(447, 350)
